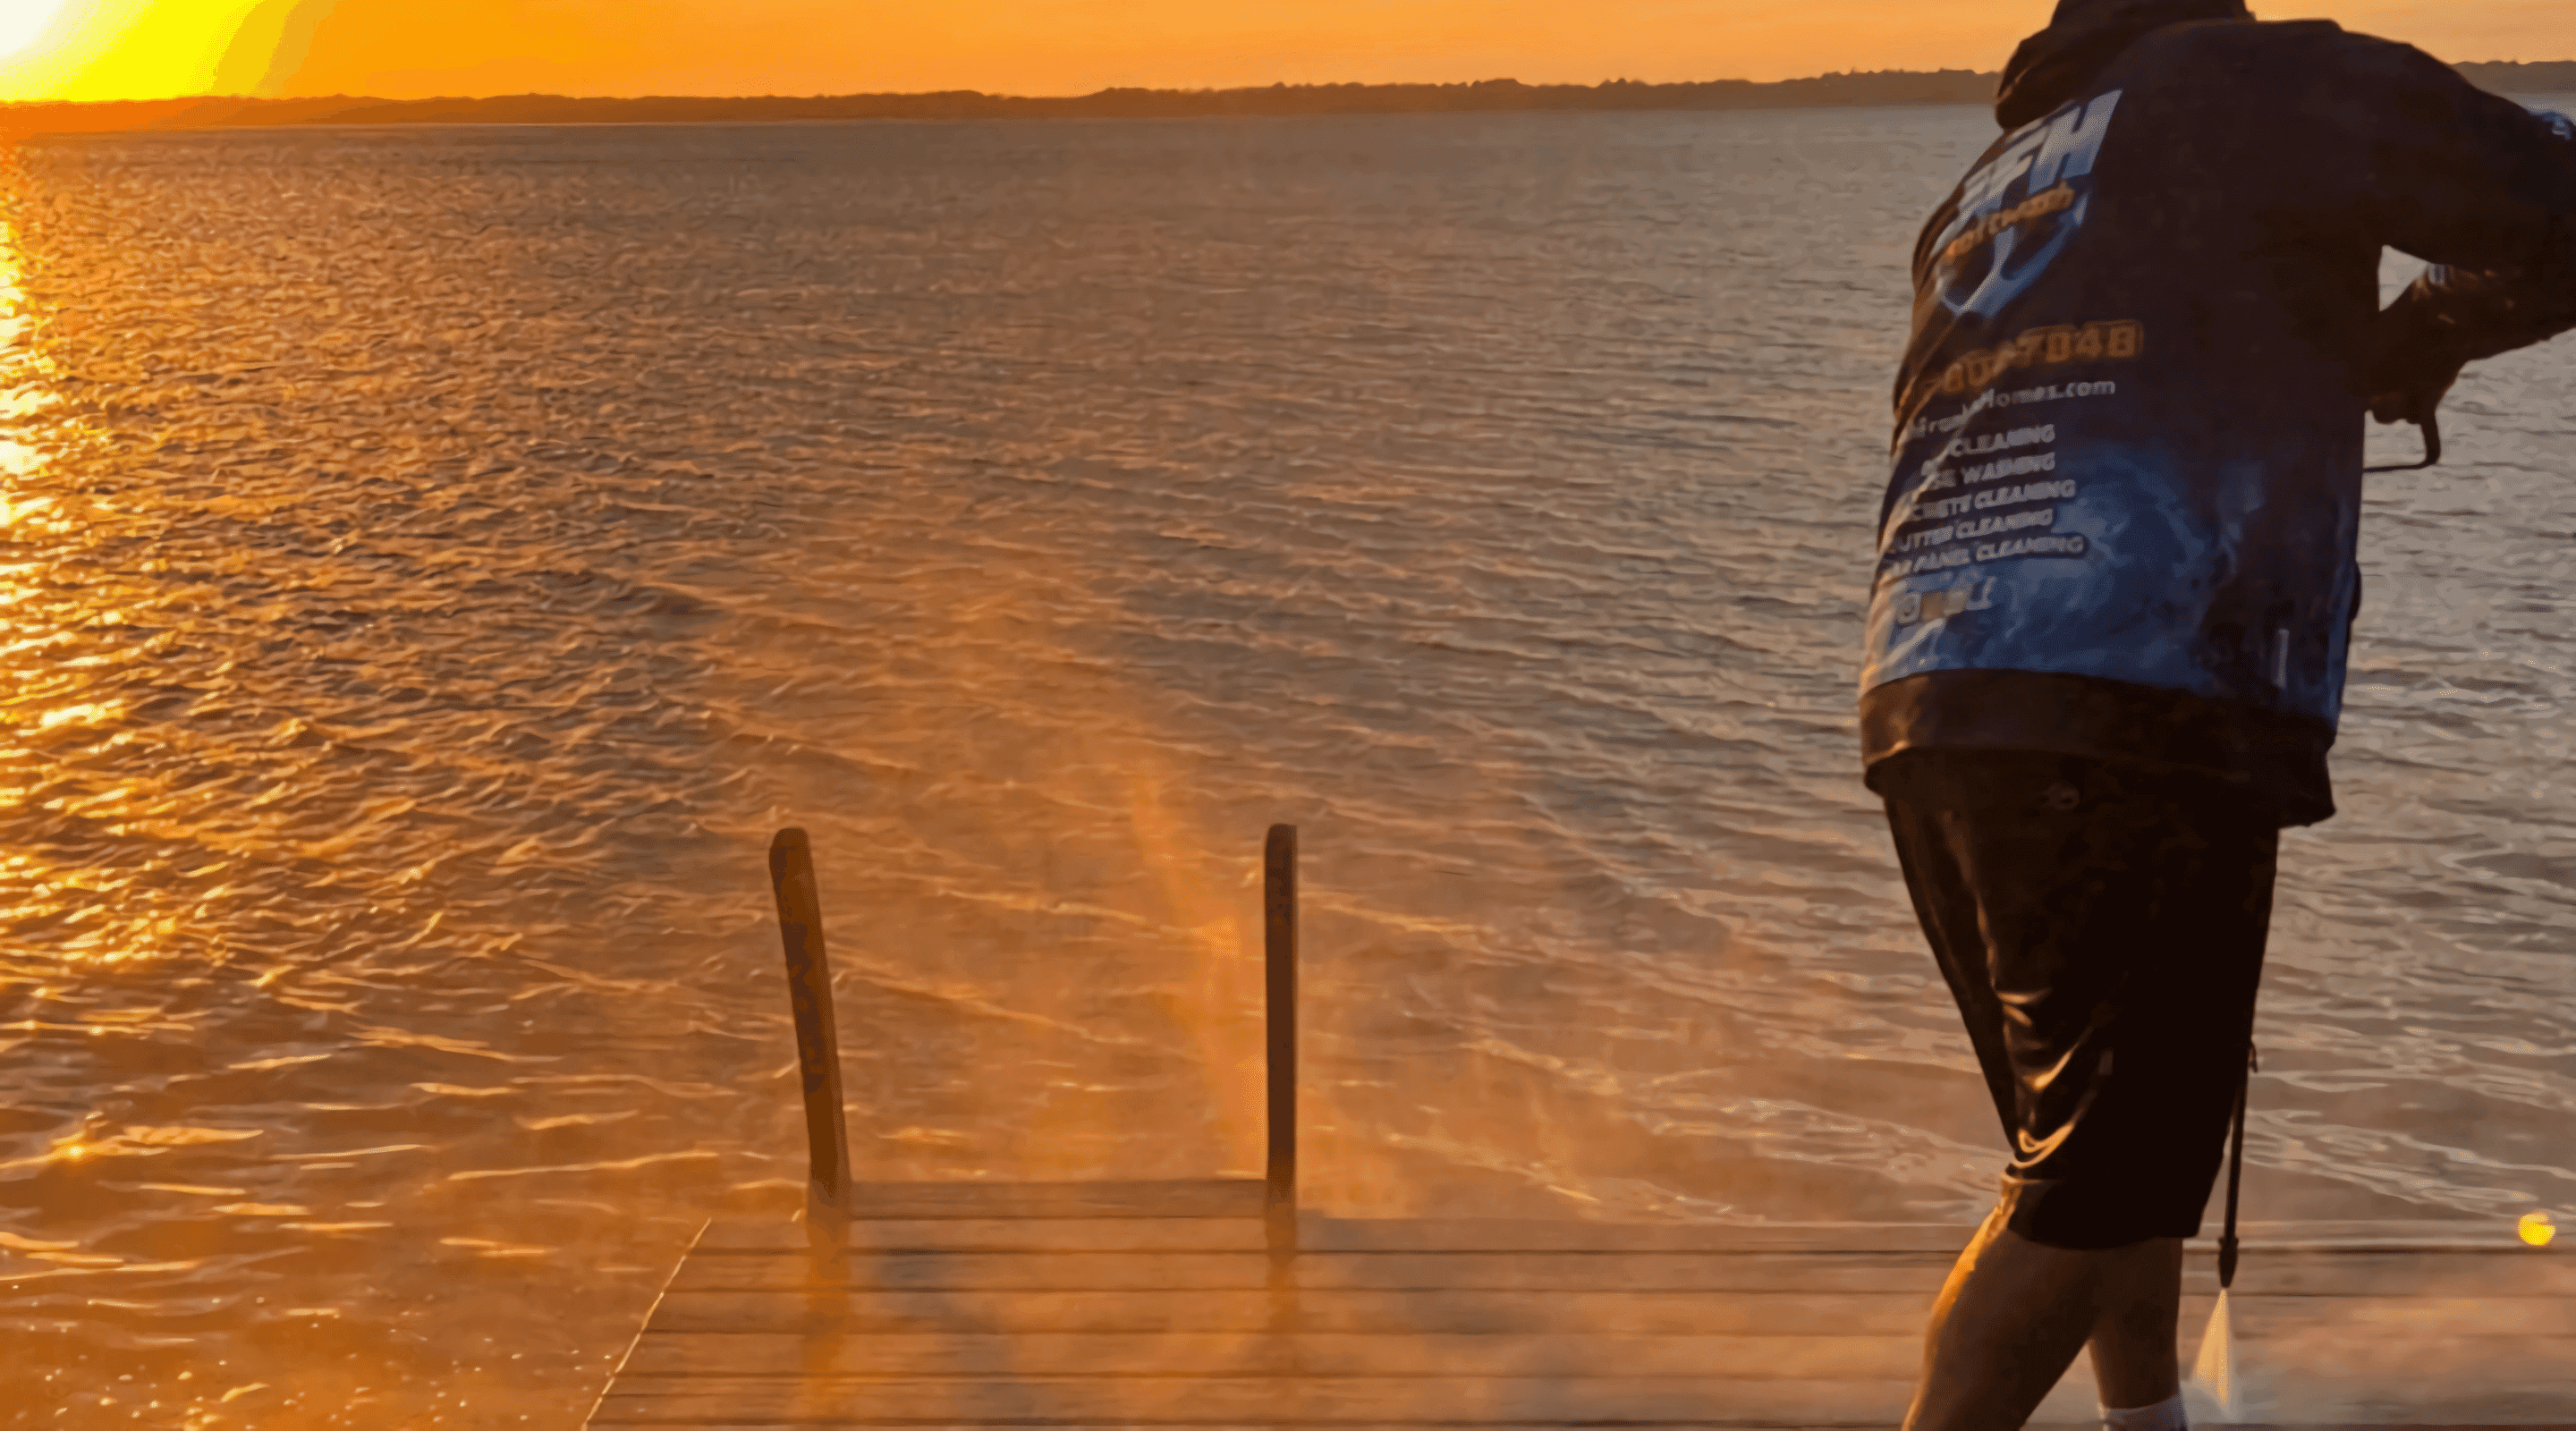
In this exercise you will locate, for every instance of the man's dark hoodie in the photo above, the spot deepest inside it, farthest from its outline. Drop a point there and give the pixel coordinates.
(2127, 465)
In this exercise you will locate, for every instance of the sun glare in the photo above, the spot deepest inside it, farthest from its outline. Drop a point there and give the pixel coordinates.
(22, 21)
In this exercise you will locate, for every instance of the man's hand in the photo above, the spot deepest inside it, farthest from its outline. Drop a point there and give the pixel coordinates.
(2406, 383)
(2413, 404)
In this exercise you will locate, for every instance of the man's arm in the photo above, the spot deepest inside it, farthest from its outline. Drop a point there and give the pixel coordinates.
(2453, 315)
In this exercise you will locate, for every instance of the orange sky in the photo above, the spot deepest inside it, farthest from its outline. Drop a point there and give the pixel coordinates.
(145, 49)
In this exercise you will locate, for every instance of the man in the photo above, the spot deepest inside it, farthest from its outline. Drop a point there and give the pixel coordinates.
(2106, 644)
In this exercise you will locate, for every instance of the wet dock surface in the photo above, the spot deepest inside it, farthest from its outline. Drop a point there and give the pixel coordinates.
(1174, 1304)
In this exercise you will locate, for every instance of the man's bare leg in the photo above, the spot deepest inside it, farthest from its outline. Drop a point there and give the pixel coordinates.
(2013, 1314)
(2135, 1357)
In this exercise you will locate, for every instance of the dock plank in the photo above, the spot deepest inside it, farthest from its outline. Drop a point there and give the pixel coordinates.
(2384, 1274)
(1624, 1313)
(1330, 1234)
(927, 1215)
(1311, 1400)
(2506, 1367)
(1071, 1271)
(1197, 1197)
(1103, 1233)
(1608, 1313)
(2052, 1417)
(1488, 1355)
(1254, 1401)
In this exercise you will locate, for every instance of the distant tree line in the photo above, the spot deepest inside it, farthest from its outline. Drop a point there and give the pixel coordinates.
(1879, 87)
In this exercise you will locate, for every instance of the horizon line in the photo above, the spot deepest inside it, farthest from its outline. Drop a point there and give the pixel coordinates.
(1106, 92)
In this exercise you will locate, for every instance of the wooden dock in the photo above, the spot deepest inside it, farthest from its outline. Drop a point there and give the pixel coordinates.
(1219, 1303)
(1135, 1305)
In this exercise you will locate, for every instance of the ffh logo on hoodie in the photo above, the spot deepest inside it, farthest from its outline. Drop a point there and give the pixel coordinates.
(2020, 209)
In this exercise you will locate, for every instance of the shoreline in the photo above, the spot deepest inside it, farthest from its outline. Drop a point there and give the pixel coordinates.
(1833, 91)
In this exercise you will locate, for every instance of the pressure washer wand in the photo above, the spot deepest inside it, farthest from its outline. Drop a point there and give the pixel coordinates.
(2214, 1370)
(2236, 1164)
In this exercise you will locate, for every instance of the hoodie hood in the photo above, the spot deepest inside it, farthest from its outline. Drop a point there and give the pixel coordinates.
(2082, 38)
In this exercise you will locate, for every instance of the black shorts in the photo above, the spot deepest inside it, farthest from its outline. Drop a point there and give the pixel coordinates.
(2101, 926)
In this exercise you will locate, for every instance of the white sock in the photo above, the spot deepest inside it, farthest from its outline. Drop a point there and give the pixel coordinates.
(2165, 1415)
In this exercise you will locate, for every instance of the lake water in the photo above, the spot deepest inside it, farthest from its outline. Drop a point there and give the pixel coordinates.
(437, 560)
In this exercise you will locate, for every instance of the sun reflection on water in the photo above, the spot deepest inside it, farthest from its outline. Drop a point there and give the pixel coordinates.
(68, 614)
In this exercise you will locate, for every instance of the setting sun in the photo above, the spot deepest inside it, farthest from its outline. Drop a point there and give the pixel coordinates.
(22, 21)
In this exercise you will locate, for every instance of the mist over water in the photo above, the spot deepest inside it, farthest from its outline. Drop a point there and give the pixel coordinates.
(433, 562)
